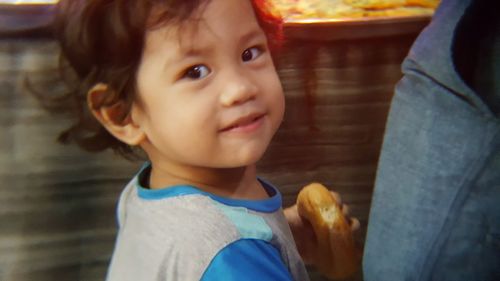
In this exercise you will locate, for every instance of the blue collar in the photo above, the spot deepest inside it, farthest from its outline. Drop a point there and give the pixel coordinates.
(269, 205)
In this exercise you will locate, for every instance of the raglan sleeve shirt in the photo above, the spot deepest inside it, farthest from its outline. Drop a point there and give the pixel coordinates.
(181, 233)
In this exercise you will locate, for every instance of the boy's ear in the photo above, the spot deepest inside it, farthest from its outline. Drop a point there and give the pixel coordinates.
(115, 117)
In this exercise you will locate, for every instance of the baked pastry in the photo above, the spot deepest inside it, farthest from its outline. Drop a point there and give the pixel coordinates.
(399, 12)
(390, 4)
(344, 9)
(375, 4)
(423, 3)
(337, 256)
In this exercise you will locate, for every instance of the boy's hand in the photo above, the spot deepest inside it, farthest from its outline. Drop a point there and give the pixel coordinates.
(303, 233)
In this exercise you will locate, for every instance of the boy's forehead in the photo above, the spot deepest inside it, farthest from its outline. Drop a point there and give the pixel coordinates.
(208, 23)
(175, 36)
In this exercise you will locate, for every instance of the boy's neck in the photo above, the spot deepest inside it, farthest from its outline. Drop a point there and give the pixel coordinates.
(237, 183)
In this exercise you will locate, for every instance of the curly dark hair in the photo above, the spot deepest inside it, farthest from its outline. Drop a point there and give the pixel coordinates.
(102, 41)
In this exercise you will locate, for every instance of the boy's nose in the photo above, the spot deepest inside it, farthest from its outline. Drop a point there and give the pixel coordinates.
(238, 90)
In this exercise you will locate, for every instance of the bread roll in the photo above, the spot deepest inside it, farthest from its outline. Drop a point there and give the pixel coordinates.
(391, 4)
(375, 4)
(337, 256)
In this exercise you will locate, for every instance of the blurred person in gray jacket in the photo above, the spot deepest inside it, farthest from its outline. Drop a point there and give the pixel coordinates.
(435, 212)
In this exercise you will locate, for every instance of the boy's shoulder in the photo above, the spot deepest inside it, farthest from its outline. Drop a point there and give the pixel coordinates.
(183, 227)
(185, 216)
(186, 212)
(176, 227)
(182, 215)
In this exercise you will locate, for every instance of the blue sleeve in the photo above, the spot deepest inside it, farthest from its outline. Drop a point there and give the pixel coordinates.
(247, 259)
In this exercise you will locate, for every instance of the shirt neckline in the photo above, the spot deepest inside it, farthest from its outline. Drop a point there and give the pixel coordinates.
(268, 205)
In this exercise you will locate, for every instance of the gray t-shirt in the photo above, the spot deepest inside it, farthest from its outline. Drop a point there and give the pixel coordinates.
(181, 233)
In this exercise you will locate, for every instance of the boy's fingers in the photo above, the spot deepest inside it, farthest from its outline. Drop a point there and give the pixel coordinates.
(345, 210)
(337, 197)
(354, 224)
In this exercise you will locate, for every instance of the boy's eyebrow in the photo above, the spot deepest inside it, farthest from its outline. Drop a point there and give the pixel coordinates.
(187, 52)
(254, 33)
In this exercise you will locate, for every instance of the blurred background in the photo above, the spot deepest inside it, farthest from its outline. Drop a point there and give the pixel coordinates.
(57, 203)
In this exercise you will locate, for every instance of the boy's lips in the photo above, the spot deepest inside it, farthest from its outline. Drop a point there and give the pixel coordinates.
(245, 123)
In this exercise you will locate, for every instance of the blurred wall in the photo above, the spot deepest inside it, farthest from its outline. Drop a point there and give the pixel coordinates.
(338, 95)
(57, 203)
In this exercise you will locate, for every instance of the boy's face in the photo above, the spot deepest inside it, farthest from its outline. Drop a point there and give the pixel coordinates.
(209, 93)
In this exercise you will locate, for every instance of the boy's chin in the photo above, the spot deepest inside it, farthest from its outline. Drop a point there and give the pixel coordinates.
(240, 161)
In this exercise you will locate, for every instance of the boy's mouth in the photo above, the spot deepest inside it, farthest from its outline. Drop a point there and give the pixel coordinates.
(245, 123)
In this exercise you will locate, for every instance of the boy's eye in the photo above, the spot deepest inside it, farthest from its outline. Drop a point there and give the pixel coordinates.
(251, 53)
(196, 72)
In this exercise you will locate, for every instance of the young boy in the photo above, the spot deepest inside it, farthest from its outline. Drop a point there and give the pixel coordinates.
(192, 84)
